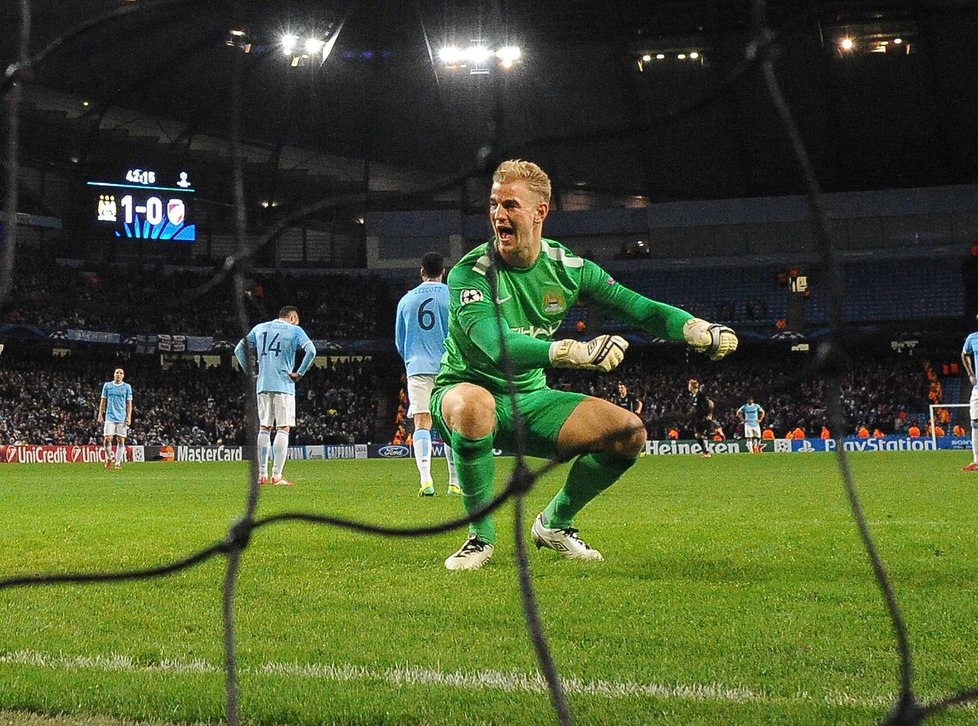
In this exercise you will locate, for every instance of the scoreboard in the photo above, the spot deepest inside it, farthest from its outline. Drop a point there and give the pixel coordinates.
(145, 204)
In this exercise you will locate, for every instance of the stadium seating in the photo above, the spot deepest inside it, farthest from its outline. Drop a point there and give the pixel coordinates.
(58, 295)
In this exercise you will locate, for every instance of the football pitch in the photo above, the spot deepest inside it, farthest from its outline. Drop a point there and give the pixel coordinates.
(735, 590)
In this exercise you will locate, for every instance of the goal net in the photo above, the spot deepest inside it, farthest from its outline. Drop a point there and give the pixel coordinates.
(946, 416)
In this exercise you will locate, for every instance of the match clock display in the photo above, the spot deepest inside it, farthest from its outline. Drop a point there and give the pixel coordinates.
(146, 204)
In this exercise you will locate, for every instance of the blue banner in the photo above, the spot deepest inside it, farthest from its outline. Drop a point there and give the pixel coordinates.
(804, 446)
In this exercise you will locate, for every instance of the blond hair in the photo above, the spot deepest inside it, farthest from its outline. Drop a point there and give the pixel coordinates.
(536, 179)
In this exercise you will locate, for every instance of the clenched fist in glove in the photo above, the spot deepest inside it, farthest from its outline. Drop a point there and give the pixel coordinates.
(604, 353)
(712, 339)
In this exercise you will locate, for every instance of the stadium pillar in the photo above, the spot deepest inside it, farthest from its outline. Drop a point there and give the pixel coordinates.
(796, 311)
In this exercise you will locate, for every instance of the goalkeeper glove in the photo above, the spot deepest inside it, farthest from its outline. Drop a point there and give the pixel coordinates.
(711, 339)
(603, 353)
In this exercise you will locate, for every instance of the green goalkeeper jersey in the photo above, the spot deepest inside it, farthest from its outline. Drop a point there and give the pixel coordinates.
(533, 302)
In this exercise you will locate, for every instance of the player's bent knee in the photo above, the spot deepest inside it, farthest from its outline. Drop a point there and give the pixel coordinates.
(470, 410)
(631, 441)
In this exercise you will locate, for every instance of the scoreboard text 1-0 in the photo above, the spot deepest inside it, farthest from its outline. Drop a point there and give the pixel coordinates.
(147, 205)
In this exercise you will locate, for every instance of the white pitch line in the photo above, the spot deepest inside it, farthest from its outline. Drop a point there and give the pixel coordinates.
(512, 681)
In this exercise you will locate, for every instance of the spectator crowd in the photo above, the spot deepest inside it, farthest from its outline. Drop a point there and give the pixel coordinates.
(55, 401)
(881, 392)
(45, 399)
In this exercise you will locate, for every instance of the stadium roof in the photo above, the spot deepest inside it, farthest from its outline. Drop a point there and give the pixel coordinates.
(157, 78)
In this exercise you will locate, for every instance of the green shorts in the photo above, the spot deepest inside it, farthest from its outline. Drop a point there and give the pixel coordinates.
(544, 412)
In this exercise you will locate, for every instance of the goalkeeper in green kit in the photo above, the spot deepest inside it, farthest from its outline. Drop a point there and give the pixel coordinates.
(534, 282)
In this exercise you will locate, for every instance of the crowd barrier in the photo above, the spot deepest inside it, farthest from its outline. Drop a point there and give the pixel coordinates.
(91, 454)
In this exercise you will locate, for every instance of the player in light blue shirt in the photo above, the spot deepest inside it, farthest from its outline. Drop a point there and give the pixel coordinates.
(275, 344)
(968, 353)
(420, 330)
(115, 410)
(752, 415)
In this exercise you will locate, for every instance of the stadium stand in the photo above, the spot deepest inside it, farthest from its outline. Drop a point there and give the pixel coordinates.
(61, 294)
(878, 290)
(881, 390)
(190, 403)
(55, 400)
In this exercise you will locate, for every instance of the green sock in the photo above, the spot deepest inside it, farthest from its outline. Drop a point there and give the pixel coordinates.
(590, 475)
(476, 469)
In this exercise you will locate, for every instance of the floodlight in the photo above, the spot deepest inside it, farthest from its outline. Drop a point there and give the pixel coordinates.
(314, 45)
(660, 56)
(510, 53)
(681, 56)
(289, 43)
(897, 41)
(694, 55)
(846, 43)
(477, 54)
(646, 58)
(235, 37)
(450, 55)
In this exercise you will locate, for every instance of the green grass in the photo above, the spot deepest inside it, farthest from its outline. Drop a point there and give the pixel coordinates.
(743, 574)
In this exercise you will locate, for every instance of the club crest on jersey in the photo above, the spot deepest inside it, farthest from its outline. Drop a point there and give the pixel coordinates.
(553, 302)
(470, 296)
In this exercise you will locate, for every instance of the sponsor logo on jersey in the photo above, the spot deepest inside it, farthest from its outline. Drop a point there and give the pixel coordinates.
(533, 331)
(611, 280)
(553, 302)
(470, 295)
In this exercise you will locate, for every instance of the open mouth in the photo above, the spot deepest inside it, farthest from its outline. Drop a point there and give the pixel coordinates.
(504, 233)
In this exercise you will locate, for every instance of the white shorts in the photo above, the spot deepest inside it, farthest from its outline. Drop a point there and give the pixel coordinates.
(419, 393)
(974, 403)
(752, 431)
(112, 428)
(276, 409)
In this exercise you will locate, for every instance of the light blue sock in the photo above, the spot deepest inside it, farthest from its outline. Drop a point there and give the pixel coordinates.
(264, 451)
(422, 453)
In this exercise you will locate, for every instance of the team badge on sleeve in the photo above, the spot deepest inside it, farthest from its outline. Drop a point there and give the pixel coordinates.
(470, 296)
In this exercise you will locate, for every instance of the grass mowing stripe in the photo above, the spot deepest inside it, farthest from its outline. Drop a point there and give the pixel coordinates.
(512, 681)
